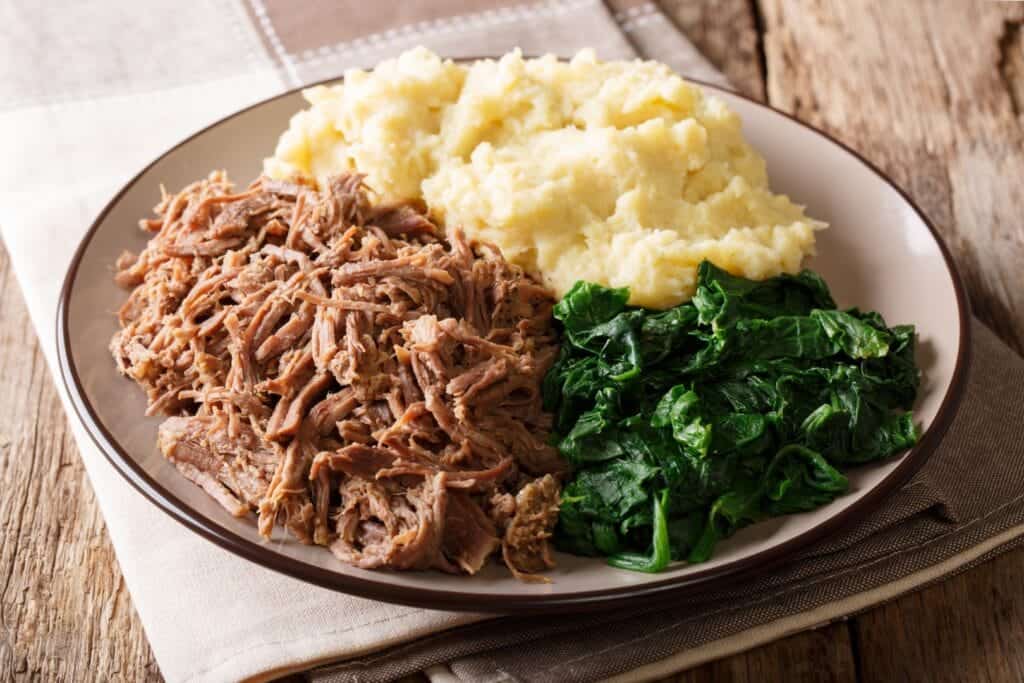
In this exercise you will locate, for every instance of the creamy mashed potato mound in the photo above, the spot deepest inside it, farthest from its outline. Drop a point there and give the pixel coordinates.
(620, 173)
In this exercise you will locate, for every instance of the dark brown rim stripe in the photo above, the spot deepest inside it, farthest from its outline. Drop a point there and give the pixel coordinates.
(672, 588)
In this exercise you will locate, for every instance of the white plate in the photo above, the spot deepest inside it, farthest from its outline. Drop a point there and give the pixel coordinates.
(880, 253)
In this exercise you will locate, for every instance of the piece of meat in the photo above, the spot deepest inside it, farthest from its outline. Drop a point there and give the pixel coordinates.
(235, 470)
(289, 498)
(334, 407)
(378, 528)
(471, 536)
(368, 462)
(418, 545)
(288, 335)
(365, 524)
(349, 372)
(525, 547)
(501, 507)
(403, 219)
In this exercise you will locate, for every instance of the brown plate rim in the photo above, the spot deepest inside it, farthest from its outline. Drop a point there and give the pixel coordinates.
(670, 589)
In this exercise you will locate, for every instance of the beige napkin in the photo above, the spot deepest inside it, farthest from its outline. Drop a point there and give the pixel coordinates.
(79, 116)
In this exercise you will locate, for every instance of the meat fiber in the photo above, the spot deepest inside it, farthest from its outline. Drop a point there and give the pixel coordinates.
(346, 371)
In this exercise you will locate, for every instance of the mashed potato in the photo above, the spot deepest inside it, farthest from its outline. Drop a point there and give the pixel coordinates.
(620, 173)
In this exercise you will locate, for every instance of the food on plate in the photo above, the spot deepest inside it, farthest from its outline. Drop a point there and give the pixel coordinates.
(346, 370)
(334, 355)
(684, 425)
(619, 173)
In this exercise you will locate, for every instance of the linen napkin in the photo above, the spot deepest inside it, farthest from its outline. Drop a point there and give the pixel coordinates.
(79, 116)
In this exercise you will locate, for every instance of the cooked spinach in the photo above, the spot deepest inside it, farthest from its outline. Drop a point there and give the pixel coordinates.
(684, 425)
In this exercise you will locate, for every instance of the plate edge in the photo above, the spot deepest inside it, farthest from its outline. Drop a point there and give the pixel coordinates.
(670, 588)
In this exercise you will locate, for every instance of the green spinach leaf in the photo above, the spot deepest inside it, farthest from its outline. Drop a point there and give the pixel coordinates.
(684, 425)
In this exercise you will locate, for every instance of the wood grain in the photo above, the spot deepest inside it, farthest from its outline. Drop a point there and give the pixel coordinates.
(65, 613)
(931, 90)
(727, 32)
(967, 628)
(821, 656)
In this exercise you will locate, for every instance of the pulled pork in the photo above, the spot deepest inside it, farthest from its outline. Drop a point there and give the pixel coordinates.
(346, 371)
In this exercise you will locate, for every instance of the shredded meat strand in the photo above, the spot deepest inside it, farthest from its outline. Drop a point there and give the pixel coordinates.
(346, 371)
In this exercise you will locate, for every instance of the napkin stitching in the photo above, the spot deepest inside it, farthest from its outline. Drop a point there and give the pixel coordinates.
(789, 589)
(252, 53)
(634, 12)
(85, 95)
(263, 19)
(631, 26)
(282, 641)
(454, 24)
(638, 16)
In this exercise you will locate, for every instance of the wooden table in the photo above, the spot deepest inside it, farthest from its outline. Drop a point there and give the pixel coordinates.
(931, 90)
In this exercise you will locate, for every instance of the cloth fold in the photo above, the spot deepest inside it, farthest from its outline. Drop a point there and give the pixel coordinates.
(84, 115)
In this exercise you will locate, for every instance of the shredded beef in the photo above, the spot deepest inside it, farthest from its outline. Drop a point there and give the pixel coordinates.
(525, 546)
(346, 371)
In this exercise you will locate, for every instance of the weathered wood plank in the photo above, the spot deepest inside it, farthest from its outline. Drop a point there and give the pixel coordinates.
(930, 91)
(821, 656)
(967, 628)
(65, 613)
(727, 33)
